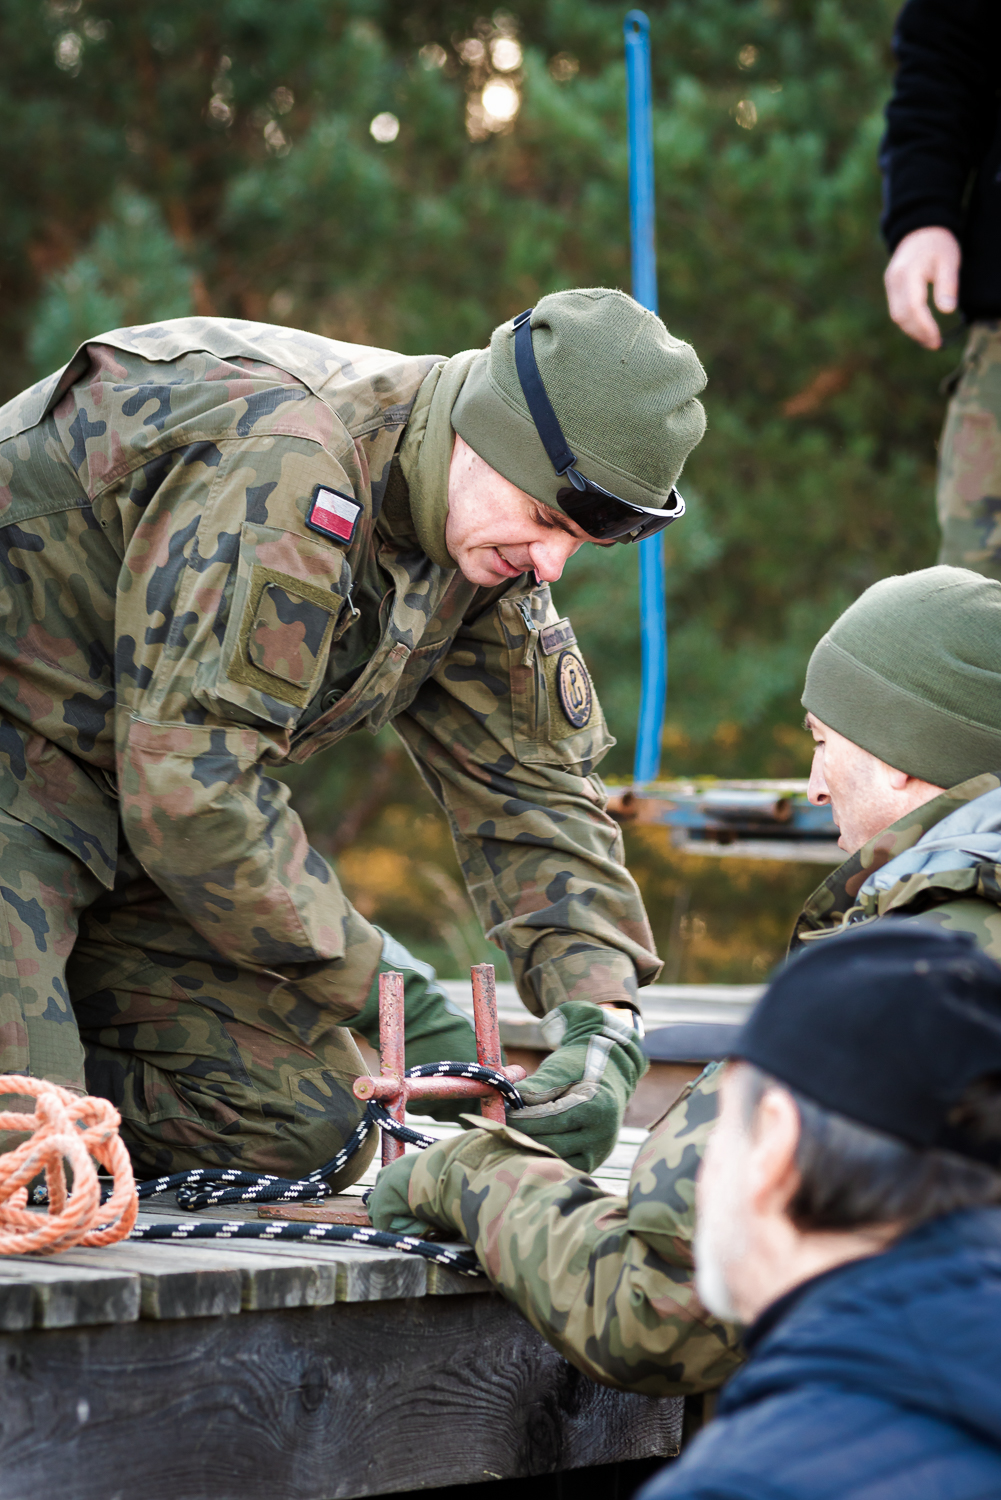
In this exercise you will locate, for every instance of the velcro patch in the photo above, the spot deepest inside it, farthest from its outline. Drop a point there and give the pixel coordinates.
(290, 636)
(333, 514)
(554, 637)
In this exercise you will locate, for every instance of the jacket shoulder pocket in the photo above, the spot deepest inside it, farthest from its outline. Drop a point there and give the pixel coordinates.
(291, 600)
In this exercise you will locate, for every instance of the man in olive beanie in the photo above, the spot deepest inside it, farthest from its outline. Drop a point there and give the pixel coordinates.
(912, 674)
(904, 700)
(614, 414)
(226, 546)
(903, 697)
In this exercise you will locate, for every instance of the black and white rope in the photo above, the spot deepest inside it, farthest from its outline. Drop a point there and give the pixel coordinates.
(282, 1229)
(476, 1071)
(206, 1187)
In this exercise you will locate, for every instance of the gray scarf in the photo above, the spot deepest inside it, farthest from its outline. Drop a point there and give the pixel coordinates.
(966, 837)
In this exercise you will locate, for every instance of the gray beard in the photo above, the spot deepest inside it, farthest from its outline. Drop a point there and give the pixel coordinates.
(721, 1238)
(710, 1279)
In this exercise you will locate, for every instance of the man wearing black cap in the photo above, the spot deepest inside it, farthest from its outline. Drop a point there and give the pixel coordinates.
(904, 700)
(848, 1213)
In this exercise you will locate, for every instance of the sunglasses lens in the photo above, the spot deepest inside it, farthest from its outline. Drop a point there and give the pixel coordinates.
(606, 518)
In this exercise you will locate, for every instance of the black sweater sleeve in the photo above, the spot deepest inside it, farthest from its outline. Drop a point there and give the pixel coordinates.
(941, 118)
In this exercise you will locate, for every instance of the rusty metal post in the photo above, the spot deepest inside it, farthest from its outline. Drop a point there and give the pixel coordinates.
(393, 1089)
(392, 1055)
(488, 1048)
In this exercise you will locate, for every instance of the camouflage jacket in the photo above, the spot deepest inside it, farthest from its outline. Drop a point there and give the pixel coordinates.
(608, 1280)
(210, 568)
(940, 863)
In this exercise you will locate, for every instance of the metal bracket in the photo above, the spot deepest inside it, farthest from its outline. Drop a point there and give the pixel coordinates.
(393, 1089)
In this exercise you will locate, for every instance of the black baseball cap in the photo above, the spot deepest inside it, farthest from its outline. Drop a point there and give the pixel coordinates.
(887, 1027)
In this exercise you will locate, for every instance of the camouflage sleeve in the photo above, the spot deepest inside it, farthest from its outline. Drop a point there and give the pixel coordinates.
(225, 617)
(507, 734)
(606, 1280)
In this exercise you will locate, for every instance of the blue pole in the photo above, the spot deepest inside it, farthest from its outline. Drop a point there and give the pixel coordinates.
(642, 219)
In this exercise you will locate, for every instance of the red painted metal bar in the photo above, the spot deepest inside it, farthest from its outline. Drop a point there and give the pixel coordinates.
(488, 1048)
(386, 1089)
(394, 1090)
(392, 1056)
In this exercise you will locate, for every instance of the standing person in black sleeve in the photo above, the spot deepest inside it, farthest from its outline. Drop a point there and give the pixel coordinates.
(941, 162)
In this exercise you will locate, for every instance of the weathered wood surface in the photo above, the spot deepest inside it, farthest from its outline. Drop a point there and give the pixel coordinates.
(48, 1294)
(210, 1278)
(192, 1282)
(310, 1404)
(121, 1283)
(157, 1280)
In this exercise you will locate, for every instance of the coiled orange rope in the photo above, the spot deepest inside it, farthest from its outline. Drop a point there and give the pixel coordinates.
(66, 1129)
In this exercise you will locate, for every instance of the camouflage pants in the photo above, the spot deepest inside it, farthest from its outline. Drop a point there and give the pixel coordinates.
(113, 991)
(969, 469)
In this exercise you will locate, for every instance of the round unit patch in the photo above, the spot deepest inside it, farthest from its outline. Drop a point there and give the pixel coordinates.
(574, 688)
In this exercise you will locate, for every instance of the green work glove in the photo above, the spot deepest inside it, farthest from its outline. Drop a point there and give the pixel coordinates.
(435, 1029)
(389, 1203)
(578, 1096)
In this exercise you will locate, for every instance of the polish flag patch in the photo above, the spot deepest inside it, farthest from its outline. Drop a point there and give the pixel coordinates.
(333, 514)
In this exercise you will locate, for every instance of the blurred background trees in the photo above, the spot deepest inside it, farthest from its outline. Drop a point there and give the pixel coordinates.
(410, 174)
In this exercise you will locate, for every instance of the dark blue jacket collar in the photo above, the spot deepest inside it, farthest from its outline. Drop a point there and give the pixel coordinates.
(919, 1324)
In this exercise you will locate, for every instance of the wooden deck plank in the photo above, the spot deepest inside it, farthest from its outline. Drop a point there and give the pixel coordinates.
(17, 1304)
(359, 1281)
(190, 1279)
(363, 1273)
(380, 1276)
(182, 1284)
(359, 1274)
(268, 1280)
(64, 1295)
(443, 1282)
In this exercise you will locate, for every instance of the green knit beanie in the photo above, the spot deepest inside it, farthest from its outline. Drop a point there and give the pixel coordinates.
(622, 388)
(912, 673)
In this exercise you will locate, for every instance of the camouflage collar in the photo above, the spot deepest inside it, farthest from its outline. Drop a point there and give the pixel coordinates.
(850, 894)
(426, 453)
(968, 835)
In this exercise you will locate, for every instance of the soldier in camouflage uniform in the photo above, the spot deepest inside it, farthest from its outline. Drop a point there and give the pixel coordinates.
(226, 546)
(910, 676)
(969, 458)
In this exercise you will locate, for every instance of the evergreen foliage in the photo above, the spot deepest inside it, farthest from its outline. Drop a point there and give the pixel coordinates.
(166, 157)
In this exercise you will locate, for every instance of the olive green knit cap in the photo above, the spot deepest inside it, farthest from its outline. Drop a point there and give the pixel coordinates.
(912, 673)
(622, 388)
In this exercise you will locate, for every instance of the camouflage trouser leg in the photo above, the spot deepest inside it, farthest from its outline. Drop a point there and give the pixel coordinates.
(43, 894)
(969, 469)
(114, 992)
(205, 1062)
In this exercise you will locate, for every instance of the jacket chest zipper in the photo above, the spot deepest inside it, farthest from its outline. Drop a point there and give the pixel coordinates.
(525, 609)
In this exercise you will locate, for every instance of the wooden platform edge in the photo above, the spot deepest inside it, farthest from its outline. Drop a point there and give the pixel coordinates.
(308, 1404)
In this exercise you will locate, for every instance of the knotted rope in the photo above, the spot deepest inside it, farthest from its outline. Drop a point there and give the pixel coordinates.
(67, 1129)
(204, 1187)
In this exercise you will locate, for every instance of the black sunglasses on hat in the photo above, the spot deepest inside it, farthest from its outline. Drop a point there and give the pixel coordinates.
(604, 516)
